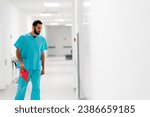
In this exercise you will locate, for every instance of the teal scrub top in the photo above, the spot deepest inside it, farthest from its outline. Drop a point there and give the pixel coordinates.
(31, 49)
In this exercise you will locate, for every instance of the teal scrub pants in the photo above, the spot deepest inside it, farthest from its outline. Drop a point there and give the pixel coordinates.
(34, 76)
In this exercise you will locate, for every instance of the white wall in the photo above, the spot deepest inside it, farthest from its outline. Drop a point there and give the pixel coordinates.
(1, 56)
(59, 36)
(13, 23)
(119, 50)
(83, 44)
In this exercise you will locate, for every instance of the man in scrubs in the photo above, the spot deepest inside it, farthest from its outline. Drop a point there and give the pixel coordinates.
(31, 57)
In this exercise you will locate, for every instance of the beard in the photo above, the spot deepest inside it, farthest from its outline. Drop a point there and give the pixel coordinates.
(37, 33)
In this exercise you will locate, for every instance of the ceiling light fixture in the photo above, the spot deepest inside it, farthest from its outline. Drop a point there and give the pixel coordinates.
(48, 4)
(45, 14)
(59, 20)
(68, 24)
(53, 23)
(86, 4)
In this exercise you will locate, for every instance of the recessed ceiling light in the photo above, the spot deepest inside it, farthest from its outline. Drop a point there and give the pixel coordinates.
(48, 4)
(53, 23)
(87, 4)
(85, 23)
(45, 14)
(68, 24)
(59, 20)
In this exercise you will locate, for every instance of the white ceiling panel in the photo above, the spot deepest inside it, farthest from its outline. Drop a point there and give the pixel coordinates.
(35, 7)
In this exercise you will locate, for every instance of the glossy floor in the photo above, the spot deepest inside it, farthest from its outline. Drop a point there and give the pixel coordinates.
(57, 84)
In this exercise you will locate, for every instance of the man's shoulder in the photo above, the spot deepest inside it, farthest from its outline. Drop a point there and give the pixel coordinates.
(24, 35)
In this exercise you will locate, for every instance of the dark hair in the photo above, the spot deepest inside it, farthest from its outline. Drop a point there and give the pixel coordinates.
(36, 22)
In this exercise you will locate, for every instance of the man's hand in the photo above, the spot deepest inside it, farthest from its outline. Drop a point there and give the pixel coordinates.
(18, 55)
(22, 66)
(43, 71)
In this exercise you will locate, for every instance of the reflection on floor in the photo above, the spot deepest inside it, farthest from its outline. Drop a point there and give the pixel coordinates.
(56, 84)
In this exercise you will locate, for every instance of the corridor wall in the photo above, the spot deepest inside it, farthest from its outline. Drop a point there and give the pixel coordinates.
(81, 47)
(118, 50)
(83, 20)
(13, 23)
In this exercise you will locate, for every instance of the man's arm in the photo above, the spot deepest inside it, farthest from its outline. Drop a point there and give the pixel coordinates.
(43, 63)
(18, 55)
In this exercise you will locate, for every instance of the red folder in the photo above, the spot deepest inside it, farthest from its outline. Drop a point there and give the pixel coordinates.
(24, 74)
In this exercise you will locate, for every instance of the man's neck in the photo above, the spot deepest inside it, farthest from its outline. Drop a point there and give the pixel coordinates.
(33, 34)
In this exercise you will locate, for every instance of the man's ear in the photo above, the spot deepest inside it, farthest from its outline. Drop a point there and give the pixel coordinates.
(33, 27)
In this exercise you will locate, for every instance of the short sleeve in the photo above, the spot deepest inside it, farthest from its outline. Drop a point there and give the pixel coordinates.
(19, 43)
(44, 46)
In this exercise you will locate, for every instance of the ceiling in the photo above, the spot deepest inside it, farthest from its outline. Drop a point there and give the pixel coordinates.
(35, 7)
